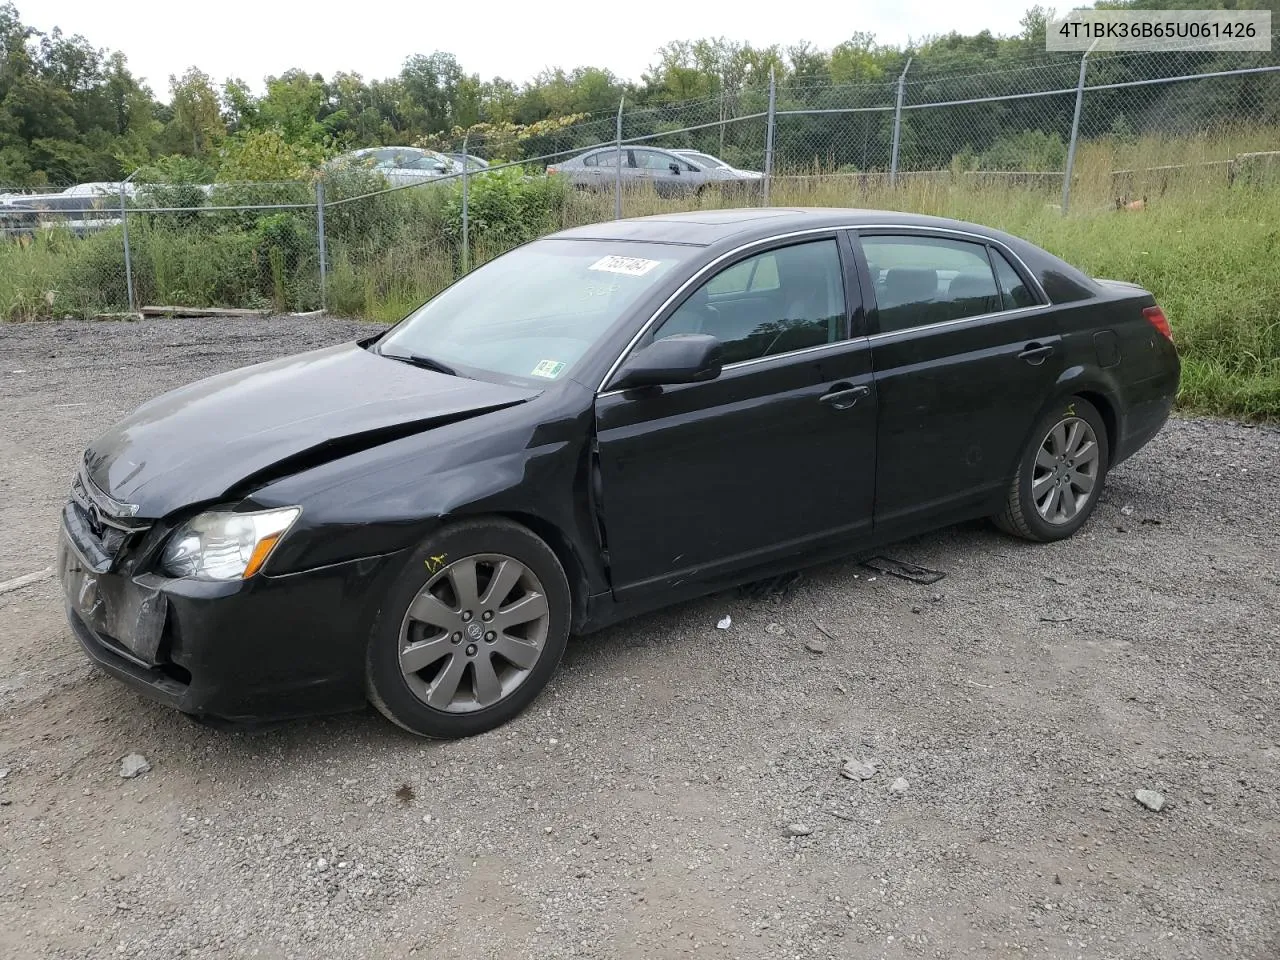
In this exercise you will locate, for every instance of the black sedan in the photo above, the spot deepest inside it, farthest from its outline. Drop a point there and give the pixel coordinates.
(596, 424)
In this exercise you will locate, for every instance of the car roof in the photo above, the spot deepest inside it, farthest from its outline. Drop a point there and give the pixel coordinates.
(708, 227)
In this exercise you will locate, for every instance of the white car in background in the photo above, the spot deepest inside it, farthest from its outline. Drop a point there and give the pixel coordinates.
(708, 162)
(401, 165)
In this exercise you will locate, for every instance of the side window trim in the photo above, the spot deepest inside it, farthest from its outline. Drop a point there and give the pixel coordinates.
(1020, 271)
(852, 299)
(995, 273)
(859, 292)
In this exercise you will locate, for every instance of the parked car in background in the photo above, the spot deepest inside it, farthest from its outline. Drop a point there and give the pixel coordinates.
(473, 163)
(583, 430)
(101, 189)
(708, 162)
(669, 173)
(401, 165)
(81, 209)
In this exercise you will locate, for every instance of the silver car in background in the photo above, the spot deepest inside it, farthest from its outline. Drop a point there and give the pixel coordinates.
(669, 173)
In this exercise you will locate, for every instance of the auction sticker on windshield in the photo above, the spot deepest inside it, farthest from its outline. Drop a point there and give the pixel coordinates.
(631, 266)
(548, 368)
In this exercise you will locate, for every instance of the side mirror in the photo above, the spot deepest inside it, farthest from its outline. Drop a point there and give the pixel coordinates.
(675, 168)
(682, 358)
(440, 167)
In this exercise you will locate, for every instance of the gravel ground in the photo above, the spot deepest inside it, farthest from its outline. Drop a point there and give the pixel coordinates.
(644, 806)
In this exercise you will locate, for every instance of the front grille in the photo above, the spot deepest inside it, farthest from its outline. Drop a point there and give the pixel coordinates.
(105, 522)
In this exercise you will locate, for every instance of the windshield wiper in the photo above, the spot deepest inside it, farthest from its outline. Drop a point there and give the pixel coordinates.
(426, 363)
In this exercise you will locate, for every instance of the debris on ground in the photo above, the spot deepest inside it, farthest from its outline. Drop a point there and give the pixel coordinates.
(899, 786)
(777, 629)
(133, 765)
(4, 772)
(799, 830)
(1151, 799)
(815, 646)
(1127, 510)
(904, 570)
(858, 769)
(725, 622)
(404, 793)
(1052, 618)
(824, 631)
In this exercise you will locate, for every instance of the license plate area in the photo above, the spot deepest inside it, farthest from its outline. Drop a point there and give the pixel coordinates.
(128, 614)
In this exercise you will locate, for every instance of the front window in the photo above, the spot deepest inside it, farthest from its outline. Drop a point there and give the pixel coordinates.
(787, 299)
(651, 160)
(532, 314)
(431, 162)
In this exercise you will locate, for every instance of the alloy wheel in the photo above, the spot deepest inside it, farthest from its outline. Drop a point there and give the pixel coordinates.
(473, 633)
(1066, 470)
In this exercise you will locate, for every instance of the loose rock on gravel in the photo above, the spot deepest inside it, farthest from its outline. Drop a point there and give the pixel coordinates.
(1151, 799)
(134, 765)
(858, 770)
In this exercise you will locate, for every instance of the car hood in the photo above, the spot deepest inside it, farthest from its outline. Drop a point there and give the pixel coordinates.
(242, 428)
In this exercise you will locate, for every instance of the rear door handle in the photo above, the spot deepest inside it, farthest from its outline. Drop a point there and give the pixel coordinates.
(1035, 353)
(842, 396)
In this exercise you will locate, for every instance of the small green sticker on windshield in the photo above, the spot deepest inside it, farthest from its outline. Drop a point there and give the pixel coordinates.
(548, 368)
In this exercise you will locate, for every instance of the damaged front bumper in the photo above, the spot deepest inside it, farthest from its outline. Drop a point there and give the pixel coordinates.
(267, 648)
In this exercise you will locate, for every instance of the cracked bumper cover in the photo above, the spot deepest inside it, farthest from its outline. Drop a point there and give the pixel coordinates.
(269, 648)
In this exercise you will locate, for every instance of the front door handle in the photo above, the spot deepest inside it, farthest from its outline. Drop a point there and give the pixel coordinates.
(842, 396)
(1035, 353)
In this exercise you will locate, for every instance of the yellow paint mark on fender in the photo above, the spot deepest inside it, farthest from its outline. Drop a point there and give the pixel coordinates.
(436, 564)
(1071, 410)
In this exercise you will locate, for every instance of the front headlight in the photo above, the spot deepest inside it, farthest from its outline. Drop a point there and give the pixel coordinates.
(220, 545)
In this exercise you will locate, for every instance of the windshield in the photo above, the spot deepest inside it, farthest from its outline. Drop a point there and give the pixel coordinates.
(705, 159)
(532, 313)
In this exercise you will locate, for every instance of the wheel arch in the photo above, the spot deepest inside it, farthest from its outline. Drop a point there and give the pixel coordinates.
(1106, 407)
(562, 546)
(1074, 383)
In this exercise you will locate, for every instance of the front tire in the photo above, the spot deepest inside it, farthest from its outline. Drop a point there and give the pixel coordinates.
(471, 630)
(1060, 475)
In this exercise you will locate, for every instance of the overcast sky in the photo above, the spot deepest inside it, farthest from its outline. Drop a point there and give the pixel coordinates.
(252, 39)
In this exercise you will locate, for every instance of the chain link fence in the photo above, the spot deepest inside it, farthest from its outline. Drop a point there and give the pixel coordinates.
(1105, 128)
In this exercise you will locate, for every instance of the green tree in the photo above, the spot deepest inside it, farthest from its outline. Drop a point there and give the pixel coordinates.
(197, 123)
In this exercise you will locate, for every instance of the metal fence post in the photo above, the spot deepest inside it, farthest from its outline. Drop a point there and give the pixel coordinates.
(324, 266)
(128, 259)
(466, 216)
(617, 173)
(897, 125)
(768, 134)
(1075, 128)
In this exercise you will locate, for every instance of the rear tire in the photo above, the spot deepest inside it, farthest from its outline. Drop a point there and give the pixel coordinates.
(1060, 475)
(471, 630)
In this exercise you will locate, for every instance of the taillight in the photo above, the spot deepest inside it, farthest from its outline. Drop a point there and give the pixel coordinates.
(551, 170)
(1155, 316)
